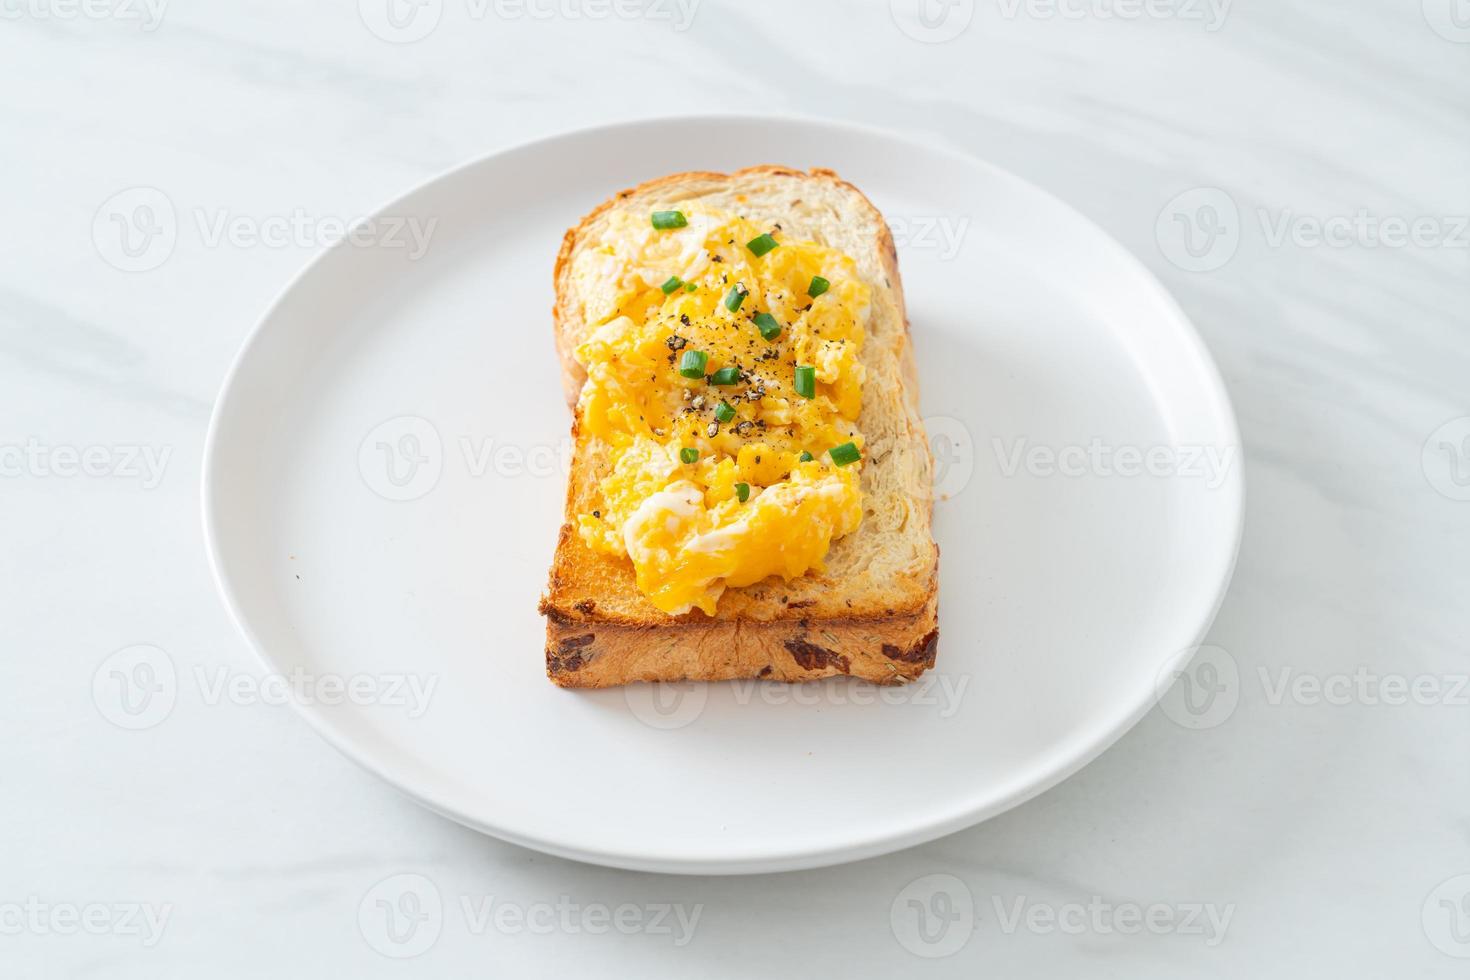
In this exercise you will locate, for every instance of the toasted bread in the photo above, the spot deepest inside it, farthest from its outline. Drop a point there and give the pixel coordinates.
(872, 611)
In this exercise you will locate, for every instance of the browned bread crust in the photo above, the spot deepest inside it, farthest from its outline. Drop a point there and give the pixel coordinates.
(872, 612)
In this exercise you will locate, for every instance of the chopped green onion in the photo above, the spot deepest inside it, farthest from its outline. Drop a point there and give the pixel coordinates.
(690, 287)
(725, 376)
(664, 220)
(736, 296)
(688, 455)
(723, 412)
(673, 283)
(691, 365)
(805, 456)
(806, 381)
(742, 490)
(768, 326)
(818, 287)
(760, 246)
(844, 454)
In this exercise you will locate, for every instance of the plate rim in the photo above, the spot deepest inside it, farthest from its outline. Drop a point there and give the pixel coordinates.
(1061, 760)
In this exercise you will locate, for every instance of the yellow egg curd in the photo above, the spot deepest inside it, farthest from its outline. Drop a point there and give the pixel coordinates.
(723, 373)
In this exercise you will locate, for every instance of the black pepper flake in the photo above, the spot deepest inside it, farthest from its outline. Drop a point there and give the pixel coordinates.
(597, 514)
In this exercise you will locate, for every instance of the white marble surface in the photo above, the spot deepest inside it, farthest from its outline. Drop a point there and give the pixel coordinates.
(1328, 829)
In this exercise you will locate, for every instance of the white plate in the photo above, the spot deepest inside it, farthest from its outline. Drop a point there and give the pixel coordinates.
(382, 373)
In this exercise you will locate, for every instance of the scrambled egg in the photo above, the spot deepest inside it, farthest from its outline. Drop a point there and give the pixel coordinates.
(729, 396)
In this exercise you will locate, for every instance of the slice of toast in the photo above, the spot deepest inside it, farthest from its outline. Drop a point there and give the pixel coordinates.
(872, 612)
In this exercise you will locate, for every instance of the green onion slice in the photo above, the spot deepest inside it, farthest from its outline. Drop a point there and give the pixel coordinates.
(818, 287)
(805, 456)
(689, 455)
(768, 326)
(844, 454)
(673, 283)
(690, 287)
(736, 296)
(806, 381)
(691, 365)
(725, 376)
(760, 246)
(742, 490)
(664, 220)
(723, 412)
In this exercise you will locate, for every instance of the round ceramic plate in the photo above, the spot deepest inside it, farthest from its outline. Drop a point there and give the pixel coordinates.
(383, 487)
